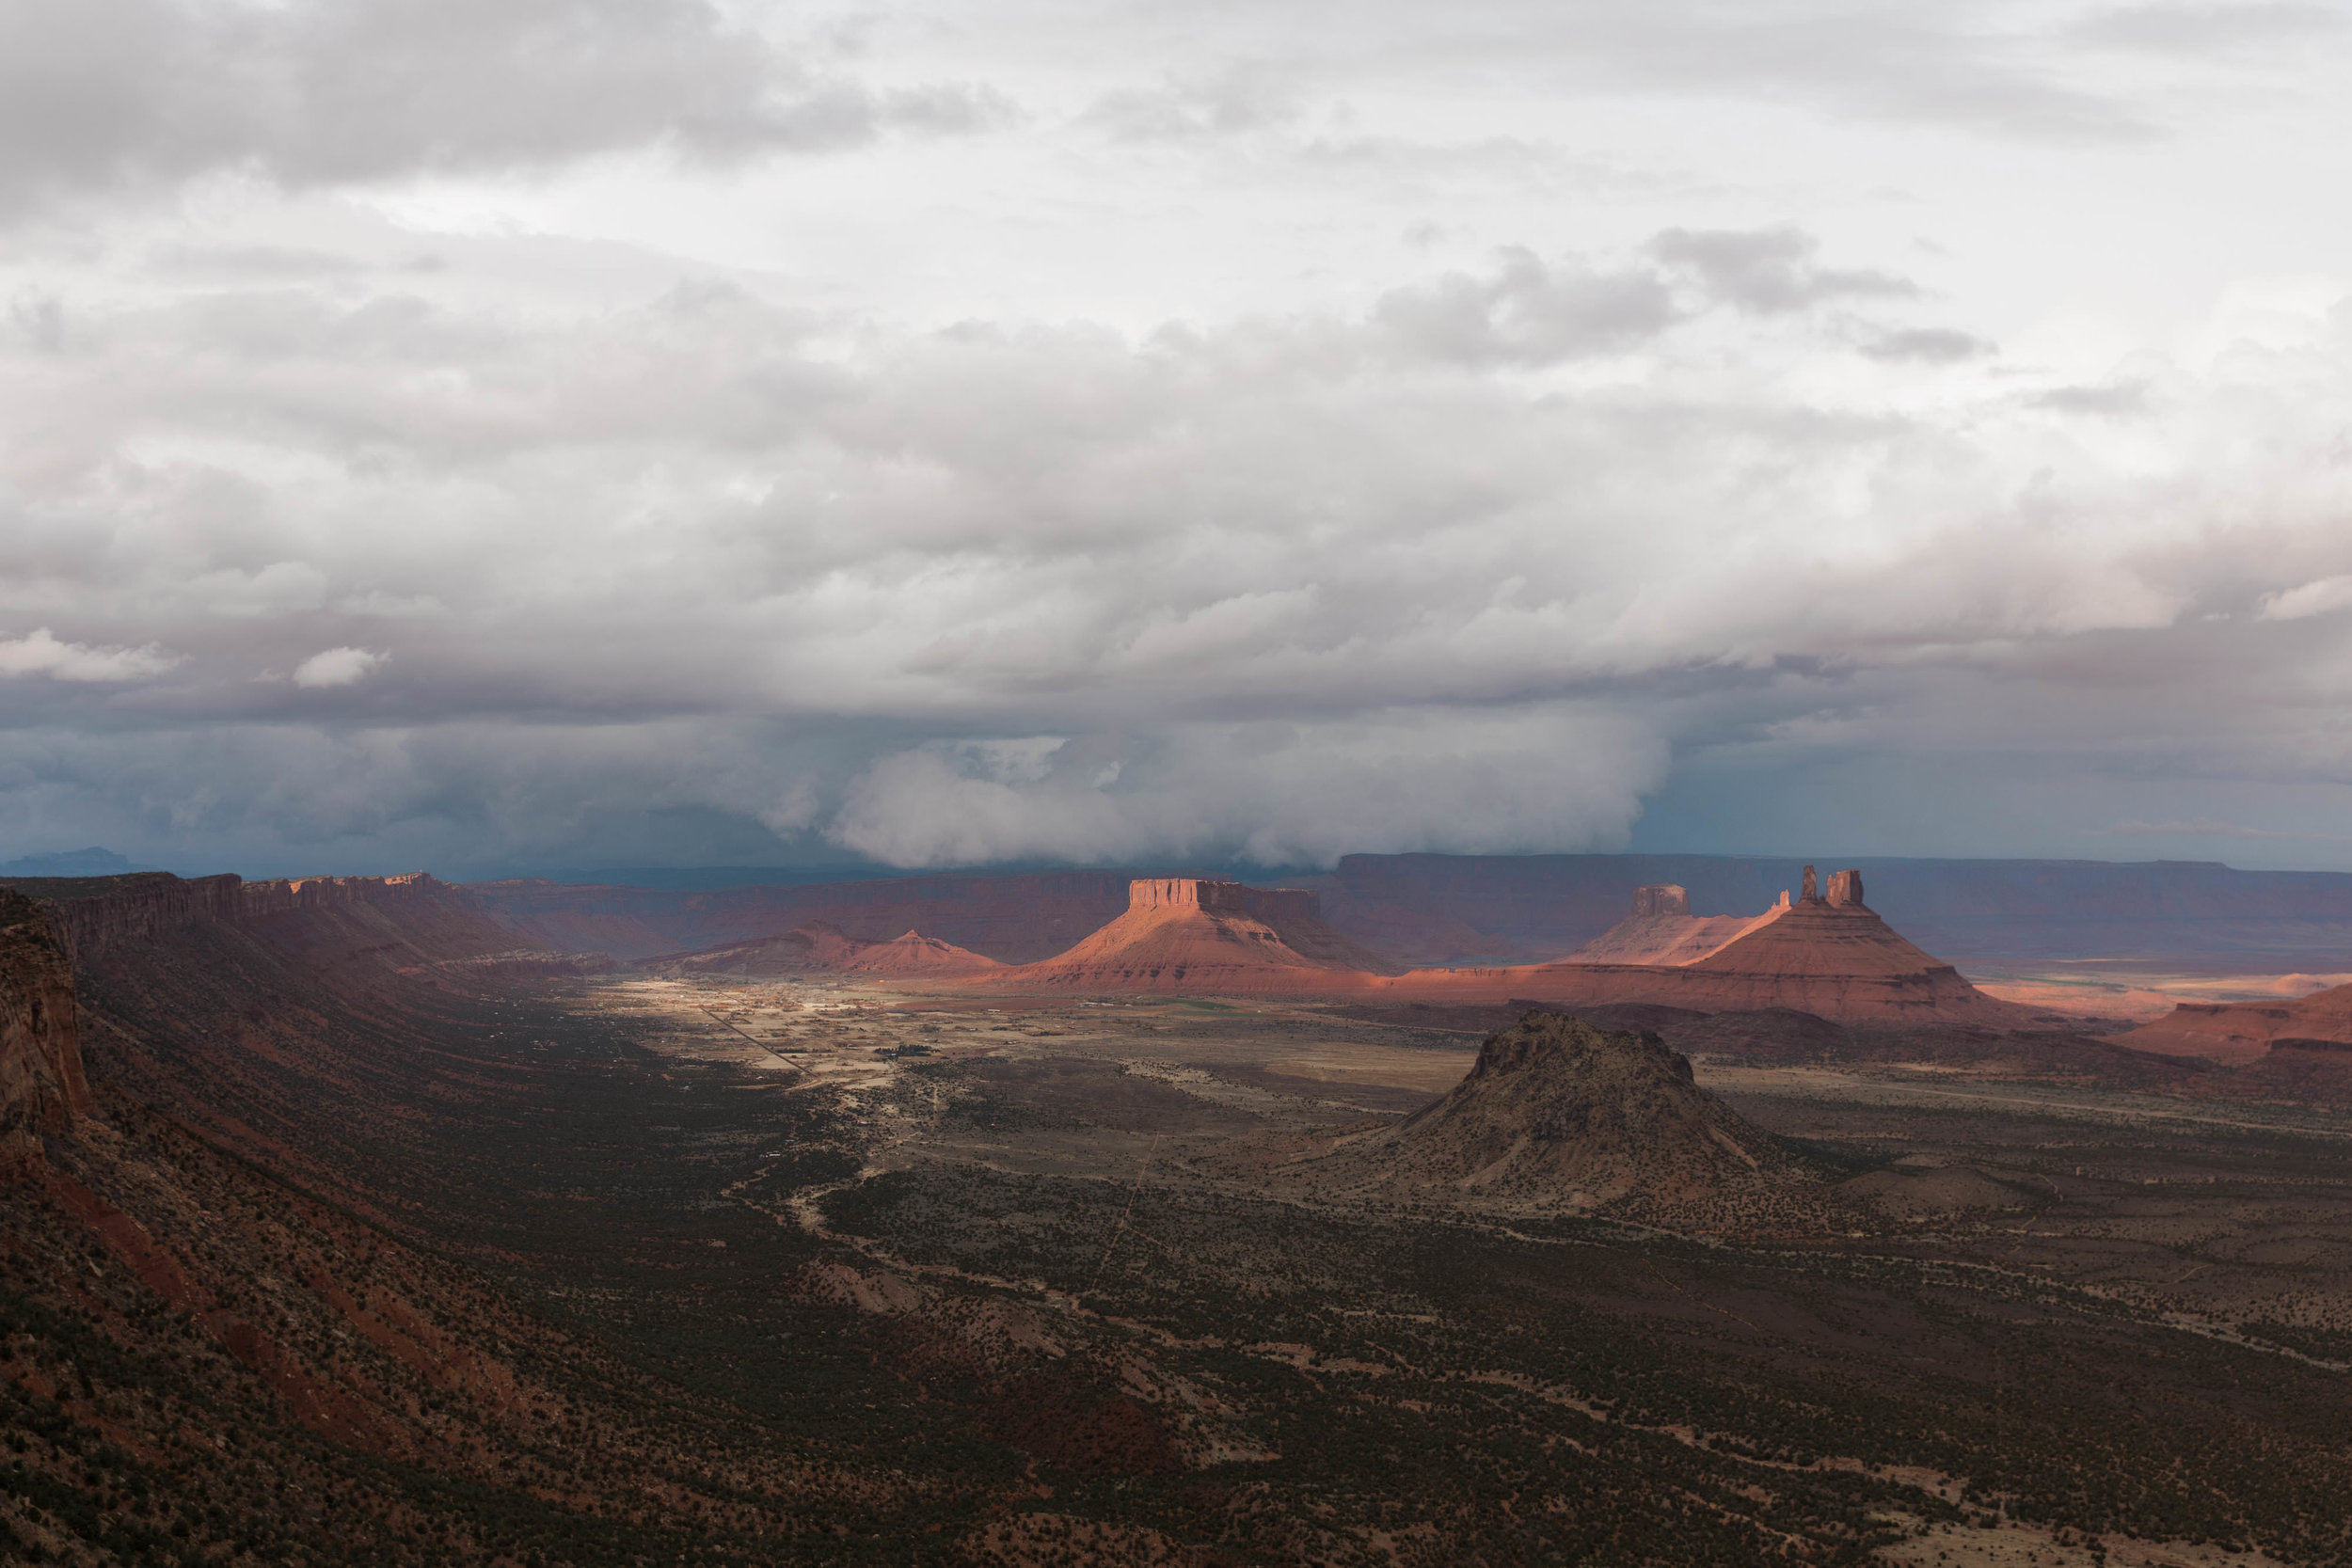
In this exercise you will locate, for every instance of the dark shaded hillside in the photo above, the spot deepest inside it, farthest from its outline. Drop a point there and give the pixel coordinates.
(292, 1287)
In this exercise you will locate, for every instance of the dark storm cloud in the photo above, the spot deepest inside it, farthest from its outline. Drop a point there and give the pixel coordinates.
(104, 93)
(410, 577)
(360, 527)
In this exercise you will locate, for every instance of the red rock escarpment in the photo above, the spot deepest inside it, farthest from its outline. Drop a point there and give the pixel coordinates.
(93, 915)
(1189, 933)
(363, 927)
(41, 1086)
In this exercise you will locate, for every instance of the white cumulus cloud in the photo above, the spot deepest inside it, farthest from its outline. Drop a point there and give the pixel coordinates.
(43, 653)
(337, 667)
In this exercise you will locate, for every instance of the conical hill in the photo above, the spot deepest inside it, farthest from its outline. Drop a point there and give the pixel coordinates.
(1557, 1113)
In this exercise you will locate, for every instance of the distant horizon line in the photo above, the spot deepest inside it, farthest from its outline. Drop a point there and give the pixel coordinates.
(709, 877)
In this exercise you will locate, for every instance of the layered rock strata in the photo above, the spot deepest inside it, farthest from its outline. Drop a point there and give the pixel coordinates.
(367, 924)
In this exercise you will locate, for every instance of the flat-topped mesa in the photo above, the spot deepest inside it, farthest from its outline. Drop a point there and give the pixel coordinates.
(1195, 933)
(1195, 893)
(378, 922)
(1661, 898)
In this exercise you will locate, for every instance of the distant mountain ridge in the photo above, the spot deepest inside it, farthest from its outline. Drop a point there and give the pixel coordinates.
(92, 861)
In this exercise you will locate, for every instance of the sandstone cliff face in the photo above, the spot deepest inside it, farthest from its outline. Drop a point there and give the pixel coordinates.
(41, 1088)
(94, 916)
(364, 928)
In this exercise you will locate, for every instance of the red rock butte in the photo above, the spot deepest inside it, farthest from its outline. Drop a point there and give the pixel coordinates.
(1825, 954)
(1187, 933)
(821, 948)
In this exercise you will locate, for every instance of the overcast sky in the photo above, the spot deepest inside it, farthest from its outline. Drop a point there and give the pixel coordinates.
(495, 434)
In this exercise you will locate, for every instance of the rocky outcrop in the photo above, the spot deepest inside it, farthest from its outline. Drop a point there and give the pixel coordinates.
(1559, 1114)
(41, 1086)
(822, 948)
(1190, 933)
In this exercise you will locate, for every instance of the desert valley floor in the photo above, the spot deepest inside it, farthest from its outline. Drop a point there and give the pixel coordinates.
(627, 1267)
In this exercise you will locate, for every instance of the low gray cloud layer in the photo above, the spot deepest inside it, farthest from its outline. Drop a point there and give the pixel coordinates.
(348, 519)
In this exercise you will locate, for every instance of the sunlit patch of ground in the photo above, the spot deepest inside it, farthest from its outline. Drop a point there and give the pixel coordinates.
(2013, 1545)
(1431, 1072)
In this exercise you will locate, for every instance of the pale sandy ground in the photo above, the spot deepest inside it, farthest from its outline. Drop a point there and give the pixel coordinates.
(1433, 1072)
(2111, 990)
(2010, 1545)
